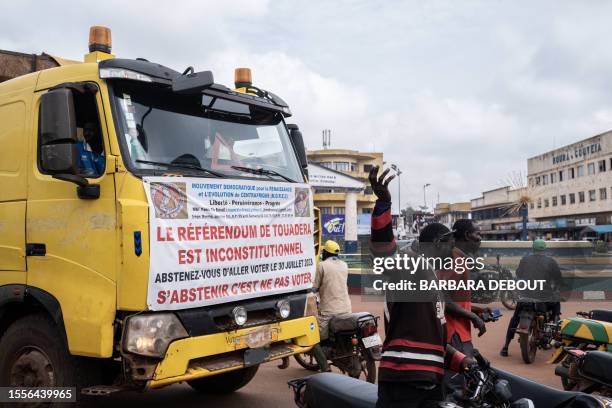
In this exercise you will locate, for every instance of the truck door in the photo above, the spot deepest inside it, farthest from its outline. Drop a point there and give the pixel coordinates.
(13, 168)
(71, 240)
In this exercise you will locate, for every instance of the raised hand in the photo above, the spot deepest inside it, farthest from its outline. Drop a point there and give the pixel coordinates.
(380, 185)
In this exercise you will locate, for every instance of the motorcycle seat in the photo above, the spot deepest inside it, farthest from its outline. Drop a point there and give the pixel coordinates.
(348, 321)
(330, 390)
(602, 315)
(598, 365)
(541, 395)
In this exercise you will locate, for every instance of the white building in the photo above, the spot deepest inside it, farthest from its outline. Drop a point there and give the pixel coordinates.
(571, 187)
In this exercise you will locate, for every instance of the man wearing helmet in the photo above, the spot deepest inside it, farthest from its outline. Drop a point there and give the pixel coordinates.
(536, 266)
(331, 283)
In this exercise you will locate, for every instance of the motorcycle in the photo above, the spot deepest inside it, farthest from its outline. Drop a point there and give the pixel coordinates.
(486, 387)
(485, 296)
(589, 332)
(587, 371)
(536, 328)
(353, 346)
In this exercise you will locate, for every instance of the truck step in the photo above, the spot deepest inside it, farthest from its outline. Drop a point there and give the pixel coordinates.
(101, 390)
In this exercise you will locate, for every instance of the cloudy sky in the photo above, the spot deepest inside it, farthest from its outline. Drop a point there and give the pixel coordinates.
(457, 93)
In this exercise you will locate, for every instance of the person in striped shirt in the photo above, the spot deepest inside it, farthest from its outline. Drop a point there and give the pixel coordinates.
(415, 352)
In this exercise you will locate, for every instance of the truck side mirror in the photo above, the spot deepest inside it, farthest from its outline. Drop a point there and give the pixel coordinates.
(298, 145)
(58, 152)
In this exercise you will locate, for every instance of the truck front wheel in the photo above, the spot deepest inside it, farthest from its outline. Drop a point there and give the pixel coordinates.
(33, 355)
(224, 383)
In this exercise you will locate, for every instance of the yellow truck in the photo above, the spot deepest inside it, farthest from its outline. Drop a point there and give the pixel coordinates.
(155, 227)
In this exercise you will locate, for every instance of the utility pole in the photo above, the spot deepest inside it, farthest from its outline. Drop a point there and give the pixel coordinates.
(399, 189)
(425, 195)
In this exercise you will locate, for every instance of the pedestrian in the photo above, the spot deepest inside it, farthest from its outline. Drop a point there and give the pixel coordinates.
(415, 350)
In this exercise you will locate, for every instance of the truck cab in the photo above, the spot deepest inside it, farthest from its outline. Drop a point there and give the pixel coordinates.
(120, 265)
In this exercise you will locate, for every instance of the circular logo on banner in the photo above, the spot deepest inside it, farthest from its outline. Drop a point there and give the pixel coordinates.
(169, 200)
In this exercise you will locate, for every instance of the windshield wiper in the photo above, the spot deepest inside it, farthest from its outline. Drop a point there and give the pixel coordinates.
(183, 166)
(263, 172)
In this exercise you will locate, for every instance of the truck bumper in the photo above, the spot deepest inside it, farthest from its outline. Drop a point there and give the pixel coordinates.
(203, 356)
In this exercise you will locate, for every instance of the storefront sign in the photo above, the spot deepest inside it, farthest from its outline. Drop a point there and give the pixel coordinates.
(217, 241)
(333, 225)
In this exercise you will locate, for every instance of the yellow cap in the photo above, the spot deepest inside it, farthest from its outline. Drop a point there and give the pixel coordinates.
(332, 247)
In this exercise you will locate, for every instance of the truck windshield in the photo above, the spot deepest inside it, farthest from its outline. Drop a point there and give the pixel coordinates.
(164, 131)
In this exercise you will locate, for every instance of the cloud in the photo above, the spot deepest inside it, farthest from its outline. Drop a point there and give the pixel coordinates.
(458, 95)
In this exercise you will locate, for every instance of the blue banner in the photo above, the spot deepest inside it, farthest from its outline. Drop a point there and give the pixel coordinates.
(333, 225)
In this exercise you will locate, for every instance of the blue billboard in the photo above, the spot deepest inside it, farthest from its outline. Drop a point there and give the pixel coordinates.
(333, 225)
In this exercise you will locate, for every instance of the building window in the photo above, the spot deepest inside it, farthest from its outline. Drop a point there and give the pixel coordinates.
(539, 203)
(553, 178)
(602, 165)
(368, 190)
(591, 168)
(572, 198)
(592, 195)
(338, 210)
(554, 201)
(531, 205)
(545, 179)
(561, 175)
(367, 168)
(572, 173)
(603, 193)
(563, 200)
(342, 166)
(328, 165)
(325, 210)
(580, 171)
(546, 202)
(581, 196)
(353, 166)
(537, 180)
(366, 211)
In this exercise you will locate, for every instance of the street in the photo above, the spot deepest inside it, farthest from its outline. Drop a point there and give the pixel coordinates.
(269, 388)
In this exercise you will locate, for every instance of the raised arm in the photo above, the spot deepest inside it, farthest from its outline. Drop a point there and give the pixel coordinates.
(382, 239)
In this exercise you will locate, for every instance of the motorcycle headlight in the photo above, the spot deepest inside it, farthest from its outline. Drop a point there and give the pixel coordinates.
(283, 308)
(150, 335)
(240, 315)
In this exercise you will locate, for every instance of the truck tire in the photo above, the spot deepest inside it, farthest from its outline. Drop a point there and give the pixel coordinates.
(225, 383)
(33, 355)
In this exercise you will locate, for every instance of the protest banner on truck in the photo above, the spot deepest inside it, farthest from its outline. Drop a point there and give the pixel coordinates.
(217, 241)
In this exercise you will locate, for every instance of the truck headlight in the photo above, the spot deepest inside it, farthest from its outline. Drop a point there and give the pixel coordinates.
(283, 308)
(240, 315)
(150, 335)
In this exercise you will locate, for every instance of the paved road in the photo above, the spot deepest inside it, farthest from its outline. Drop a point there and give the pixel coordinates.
(269, 388)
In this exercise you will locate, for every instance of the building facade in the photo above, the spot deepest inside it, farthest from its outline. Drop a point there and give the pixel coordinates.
(352, 163)
(571, 187)
(496, 214)
(447, 213)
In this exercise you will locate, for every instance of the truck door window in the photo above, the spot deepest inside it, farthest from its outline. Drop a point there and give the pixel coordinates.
(90, 145)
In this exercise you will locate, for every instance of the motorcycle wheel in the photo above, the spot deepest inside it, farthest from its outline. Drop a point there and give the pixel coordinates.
(307, 361)
(528, 342)
(369, 368)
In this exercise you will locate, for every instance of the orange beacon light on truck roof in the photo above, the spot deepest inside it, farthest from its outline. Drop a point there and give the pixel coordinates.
(243, 78)
(100, 39)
